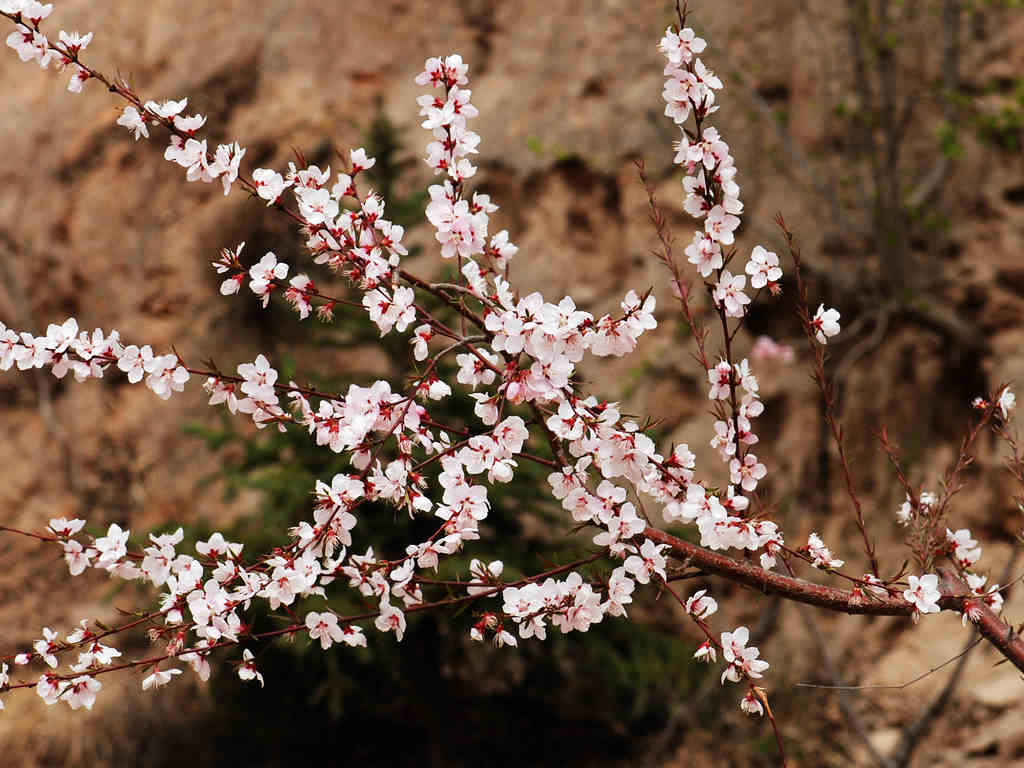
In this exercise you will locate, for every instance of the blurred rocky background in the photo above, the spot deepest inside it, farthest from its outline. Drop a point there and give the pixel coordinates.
(887, 133)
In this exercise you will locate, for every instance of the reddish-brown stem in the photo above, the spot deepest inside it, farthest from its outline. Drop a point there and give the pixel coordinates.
(732, 383)
(778, 736)
(827, 392)
(1000, 634)
(298, 627)
(122, 89)
(681, 287)
(30, 534)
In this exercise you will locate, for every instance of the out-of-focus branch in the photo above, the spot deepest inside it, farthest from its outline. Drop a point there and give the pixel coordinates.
(823, 187)
(845, 695)
(951, 28)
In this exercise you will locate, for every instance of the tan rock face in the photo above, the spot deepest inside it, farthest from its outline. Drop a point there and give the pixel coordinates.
(98, 226)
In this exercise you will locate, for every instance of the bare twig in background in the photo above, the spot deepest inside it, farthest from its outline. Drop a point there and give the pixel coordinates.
(845, 695)
(821, 186)
(913, 733)
(827, 389)
(917, 730)
(951, 26)
(890, 686)
(868, 344)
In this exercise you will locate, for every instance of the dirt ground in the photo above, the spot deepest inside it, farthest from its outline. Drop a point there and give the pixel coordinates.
(95, 225)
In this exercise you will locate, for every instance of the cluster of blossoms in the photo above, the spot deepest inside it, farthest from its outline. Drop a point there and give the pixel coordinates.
(185, 150)
(86, 356)
(524, 355)
(534, 348)
(1005, 402)
(460, 225)
(923, 514)
(820, 555)
(711, 194)
(32, 45)
(200, 609)
(908, 511)
(445, 117)
(357, 241)
(742, 662)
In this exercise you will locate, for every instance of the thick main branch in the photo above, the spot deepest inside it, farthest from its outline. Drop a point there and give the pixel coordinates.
(955, 597)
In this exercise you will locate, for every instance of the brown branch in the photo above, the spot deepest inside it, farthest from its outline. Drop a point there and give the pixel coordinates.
(680, 285)
(955, 595)
(913, 733)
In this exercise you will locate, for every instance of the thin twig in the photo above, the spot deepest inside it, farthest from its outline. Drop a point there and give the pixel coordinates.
(894, 686)
(851, 714)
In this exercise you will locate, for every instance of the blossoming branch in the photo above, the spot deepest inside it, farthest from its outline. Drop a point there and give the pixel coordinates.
(516, 359)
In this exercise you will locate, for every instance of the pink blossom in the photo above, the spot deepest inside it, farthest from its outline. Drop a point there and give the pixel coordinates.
(766, 348)
(720, 225)
(46, 647)
(706, 652)
(680, 47)
(721, 381)
(1006, 402)
(923, 593)
(648, 562)
(747, 473)
(751, 704)
(264, 274)
(49, 688)
(763, 268)
(269, 184)
(247, 669)
(81, 692)
(391, 619)
(729, 293)
(167, 109)
(360, 162)
(825, 323)
(65, 528)
(705, 253)
(965, 549)
(77, 557)
(820, 555)
(112, 547)
(701, 605)
(134, 360)
(159, 678)
(742, 661)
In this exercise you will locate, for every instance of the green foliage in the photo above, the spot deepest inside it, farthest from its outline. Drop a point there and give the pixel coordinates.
(978, 4)
(383, 142)
(995, 114)
(1003, 129)
(559, 154)
(949, 141)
